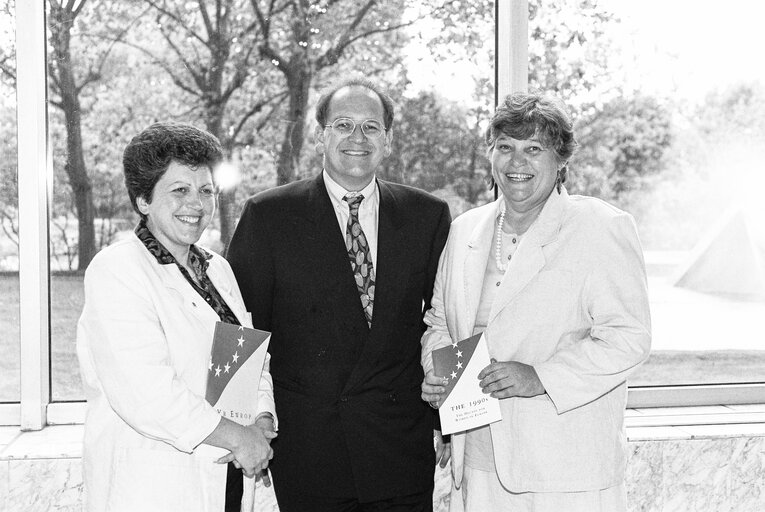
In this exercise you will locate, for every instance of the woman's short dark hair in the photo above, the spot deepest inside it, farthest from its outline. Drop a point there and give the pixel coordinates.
(149, 154)
(322, 106)
(523, 115)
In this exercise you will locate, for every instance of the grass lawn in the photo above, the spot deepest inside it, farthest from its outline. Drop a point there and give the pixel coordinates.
(66, 301)
(663, 367)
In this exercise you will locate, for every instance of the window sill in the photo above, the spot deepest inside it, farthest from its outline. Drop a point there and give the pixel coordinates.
(697, 422)
(654, 424)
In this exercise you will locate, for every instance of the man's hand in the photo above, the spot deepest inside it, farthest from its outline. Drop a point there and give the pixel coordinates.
(433, 389)
(443, 449)
(507, 379)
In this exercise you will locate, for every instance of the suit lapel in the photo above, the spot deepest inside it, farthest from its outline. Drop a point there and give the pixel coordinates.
(529, 258)
(325, 248)
(390, 281)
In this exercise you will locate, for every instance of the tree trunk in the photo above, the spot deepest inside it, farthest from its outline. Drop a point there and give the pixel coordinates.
(76, 171)
(298, 84)
(228, 216)
(227, 213)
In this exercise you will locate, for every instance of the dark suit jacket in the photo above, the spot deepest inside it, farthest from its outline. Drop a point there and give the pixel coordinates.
(351, 420)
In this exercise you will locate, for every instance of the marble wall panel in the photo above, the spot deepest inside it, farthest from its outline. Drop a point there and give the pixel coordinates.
(44, 485)
(696, 475)
(644, 476)
(3, 484)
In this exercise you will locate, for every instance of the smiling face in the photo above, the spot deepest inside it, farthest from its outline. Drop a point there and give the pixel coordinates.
(351, 160)
(182, 205)
(525, 171)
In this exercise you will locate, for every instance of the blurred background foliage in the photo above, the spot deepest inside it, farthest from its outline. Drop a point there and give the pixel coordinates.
(249, 71)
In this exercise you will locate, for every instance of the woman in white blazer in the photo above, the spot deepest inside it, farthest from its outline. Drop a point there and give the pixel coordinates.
(152, 442)
(557, 284)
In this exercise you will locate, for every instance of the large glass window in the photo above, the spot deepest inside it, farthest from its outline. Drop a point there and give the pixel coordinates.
(671, 122)
(250, 75)
(669, 129)
(9, 210)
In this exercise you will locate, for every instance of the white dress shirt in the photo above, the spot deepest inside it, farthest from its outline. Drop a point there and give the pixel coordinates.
(368, 210)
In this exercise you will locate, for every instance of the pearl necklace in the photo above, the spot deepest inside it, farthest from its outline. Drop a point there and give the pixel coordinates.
(502, 267)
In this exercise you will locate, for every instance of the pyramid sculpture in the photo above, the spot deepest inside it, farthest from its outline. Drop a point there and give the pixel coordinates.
(730, 261)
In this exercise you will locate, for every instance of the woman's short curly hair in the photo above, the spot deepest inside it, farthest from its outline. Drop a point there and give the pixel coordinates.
(149, 154)
(523, 115)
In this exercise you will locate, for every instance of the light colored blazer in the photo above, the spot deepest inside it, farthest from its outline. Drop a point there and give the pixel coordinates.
(573, 303)
(144, 342)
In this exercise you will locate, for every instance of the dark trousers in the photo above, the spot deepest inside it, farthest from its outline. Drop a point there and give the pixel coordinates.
(234, 488)
(292, 501)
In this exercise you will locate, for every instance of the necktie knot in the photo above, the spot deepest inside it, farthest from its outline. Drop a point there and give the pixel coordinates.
(354, 202)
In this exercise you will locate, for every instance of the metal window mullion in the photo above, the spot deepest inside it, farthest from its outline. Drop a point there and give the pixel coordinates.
(33, 212)
(512, 51)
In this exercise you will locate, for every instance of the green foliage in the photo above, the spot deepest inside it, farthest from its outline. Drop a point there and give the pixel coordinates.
(438, 145)
(621, 144)
(231, 65)
(569, 49)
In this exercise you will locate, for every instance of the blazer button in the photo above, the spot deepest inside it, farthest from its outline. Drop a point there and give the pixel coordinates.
(344, 399)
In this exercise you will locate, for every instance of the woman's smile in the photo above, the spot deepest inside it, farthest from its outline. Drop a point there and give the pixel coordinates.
(189, 219)
(518, 176)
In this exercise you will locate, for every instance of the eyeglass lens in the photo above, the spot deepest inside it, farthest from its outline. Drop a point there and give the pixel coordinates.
(345, 126)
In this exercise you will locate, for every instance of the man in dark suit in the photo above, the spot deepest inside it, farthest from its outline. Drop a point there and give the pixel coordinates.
(340, 268)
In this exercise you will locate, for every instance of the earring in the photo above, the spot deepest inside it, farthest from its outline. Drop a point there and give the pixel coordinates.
(558, 182)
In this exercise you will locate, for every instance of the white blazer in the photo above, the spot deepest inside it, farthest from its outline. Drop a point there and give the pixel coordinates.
(144, 342)
(573, 303)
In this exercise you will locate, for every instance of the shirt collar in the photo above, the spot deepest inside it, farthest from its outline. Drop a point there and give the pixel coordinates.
(337, 192)
(198, 256)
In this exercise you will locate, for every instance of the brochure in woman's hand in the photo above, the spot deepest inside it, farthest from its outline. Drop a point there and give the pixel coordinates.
(234, 370)
(465, 406)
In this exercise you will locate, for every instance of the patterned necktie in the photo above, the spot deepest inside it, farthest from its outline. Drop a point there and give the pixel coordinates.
(360, 256)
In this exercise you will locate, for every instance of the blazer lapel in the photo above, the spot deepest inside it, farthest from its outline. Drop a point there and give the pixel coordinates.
(477, 254)
(223, 286)
(529, 258)
(172, 279)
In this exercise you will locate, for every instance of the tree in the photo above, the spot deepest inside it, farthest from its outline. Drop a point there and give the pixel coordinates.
(62, 16)
(9, 215)
(621, 145)
(440, 150)
(570, 53)
(209, 57)
(303, 38)
(73, 69)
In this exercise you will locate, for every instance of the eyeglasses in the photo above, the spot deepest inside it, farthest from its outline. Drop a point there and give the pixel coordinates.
(345, 126)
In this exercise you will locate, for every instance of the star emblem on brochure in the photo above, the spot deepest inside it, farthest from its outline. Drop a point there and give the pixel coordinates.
(450, 361)
(464, 405)
(232, 346)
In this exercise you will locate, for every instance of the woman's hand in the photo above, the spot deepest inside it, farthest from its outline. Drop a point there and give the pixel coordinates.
(433, 389)
(249, 446)
(506, 379)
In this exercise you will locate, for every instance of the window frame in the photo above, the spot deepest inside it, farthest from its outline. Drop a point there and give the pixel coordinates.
(35, 409)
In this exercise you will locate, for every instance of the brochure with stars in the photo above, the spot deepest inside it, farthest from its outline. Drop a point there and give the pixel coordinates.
(465, 406)
(233, 374)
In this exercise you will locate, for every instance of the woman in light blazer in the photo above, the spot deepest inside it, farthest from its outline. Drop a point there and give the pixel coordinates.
(144, 344)
(557, 284)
